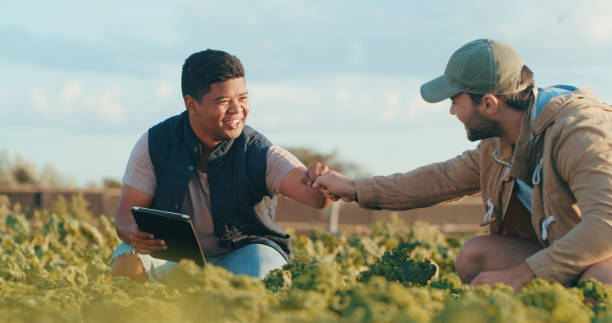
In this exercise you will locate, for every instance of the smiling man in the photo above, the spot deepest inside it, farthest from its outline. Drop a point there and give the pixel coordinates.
(207, 163)
(543, 167)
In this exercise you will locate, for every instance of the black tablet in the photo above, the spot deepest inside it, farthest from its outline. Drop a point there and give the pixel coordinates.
(175, 229)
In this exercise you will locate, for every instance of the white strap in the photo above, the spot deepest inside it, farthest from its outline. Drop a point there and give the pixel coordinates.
(537, 173)
(490, 208)
(545, 225)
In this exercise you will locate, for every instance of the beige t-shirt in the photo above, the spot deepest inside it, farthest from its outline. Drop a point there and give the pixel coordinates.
(140, 175)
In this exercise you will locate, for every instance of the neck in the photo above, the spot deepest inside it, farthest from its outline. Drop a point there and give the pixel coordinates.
(511, 125)
(208, 143)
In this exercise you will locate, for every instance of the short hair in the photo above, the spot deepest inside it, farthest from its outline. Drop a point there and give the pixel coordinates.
(203, 68)
(520, 101)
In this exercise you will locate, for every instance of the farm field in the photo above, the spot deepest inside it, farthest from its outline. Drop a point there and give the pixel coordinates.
(54, 268)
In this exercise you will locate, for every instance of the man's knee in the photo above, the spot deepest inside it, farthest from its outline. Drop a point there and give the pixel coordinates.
(129, 266)
(601, 271)
(492, 253)
(470, 258)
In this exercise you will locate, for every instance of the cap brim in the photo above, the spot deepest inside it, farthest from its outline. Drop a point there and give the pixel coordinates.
(437, 90)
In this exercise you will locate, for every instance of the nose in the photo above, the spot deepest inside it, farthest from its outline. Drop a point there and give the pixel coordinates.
(234, 107)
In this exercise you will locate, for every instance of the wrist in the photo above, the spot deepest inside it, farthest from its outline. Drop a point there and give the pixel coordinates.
(126, 233)
(352, 190)
(523, 272)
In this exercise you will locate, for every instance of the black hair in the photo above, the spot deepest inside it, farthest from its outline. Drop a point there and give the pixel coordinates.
(203, 68)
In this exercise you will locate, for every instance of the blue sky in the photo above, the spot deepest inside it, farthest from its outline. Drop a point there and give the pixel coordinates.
(81, 81)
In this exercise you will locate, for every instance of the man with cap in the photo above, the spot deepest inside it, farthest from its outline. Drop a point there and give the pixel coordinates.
(543, 167)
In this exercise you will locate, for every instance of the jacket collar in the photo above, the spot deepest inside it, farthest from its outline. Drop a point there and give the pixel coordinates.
(525, 152)
(558, 107)
(193, 142)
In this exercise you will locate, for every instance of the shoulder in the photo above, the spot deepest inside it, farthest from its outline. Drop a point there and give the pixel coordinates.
(256, 147)
(581, 132)
(582, 114)
(254, 140)
(165, 135)
(171, 124)
(167, 132)
(142, 145)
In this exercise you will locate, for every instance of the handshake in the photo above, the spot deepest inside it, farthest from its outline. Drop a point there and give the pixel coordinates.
(330, 183)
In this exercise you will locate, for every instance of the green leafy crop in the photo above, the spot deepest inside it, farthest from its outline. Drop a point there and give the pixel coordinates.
(54, 267)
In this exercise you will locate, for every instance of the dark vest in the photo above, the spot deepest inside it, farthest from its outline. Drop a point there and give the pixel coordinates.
(242, 210)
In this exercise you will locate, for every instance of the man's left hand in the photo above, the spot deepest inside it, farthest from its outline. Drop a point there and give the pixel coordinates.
(515, 277)
(313, 172)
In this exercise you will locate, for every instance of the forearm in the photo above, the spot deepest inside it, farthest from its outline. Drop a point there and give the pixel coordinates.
(293, 187)
(318, 200)
(425, 186)
(310, 196)
(123, 222)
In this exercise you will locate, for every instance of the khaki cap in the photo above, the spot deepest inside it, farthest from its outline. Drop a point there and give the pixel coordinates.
(481, 66)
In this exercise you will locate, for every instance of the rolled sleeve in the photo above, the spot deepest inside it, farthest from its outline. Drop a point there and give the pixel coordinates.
(279, 162)
(139, 172)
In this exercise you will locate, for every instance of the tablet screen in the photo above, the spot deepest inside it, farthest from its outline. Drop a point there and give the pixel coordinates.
(175, 229)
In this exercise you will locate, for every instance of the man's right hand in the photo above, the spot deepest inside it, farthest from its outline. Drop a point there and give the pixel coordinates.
(144, 242)
(335, 185)
(315, 170)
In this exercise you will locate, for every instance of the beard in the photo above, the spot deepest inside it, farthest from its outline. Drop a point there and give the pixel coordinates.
(479, 127)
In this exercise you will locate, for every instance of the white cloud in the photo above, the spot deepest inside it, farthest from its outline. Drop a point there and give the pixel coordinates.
(71, 92)
(71, 102)
(560, 24)
(598, 27)
(38, 99)
(271, 120)
(164, 91)
(392, 100)
(63, 102)
(282, 92)
(342, 95)
(345, 101)
(416, 108)
(109, 107)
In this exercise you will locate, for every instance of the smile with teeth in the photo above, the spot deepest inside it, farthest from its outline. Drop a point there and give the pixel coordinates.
(232, 123)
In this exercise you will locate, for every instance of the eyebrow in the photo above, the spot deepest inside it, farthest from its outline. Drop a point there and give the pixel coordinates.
(227, 97)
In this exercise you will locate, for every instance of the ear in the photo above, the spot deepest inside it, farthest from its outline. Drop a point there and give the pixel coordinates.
(190, 103)
(489, 105)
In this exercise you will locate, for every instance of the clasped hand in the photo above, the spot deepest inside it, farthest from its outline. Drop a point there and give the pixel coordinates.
(330, 183)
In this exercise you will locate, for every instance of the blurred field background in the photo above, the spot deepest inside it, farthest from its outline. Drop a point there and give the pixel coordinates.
(456, 217)
(31, 188)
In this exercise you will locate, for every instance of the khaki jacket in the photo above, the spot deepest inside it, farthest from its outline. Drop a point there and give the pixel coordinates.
(566, 155)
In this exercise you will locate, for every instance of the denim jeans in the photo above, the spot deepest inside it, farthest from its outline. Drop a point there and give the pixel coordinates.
(254, 260)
